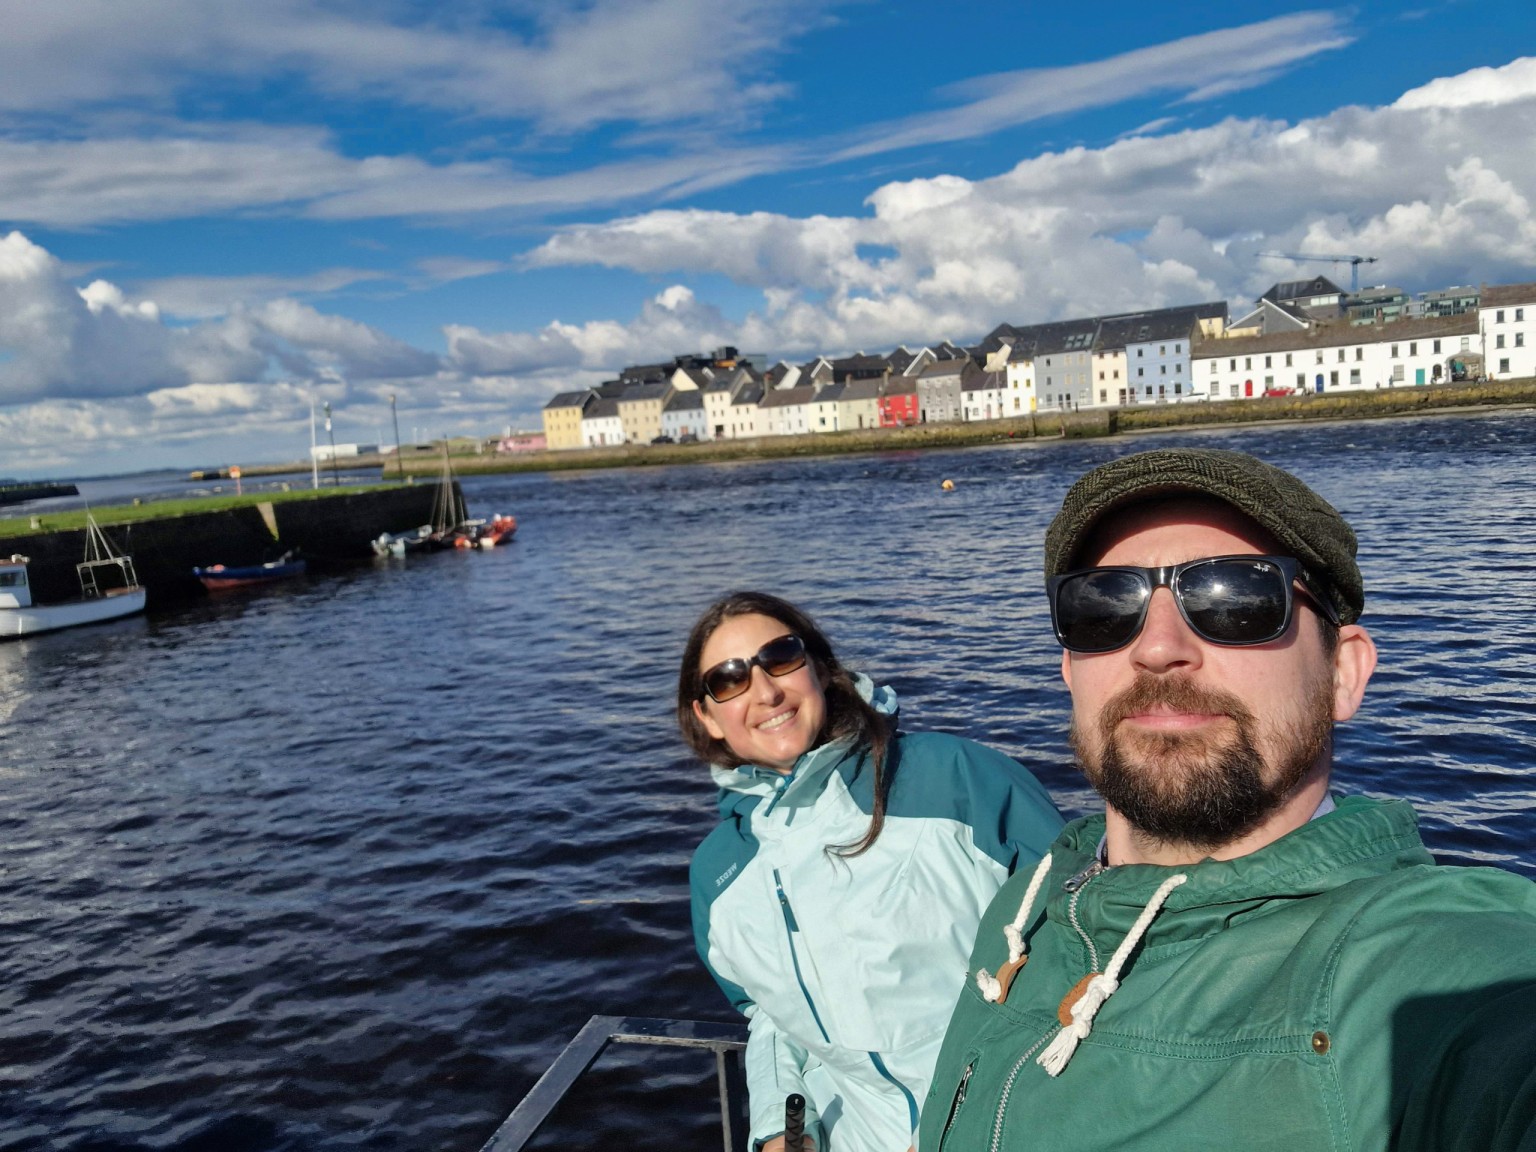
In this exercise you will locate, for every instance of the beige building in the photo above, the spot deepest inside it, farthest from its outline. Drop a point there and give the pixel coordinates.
(640, 410)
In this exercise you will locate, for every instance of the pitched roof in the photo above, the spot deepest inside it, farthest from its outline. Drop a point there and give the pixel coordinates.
(1502, 295)
(570, 399)
(863, 389)
(638, 392)
(684, 400)
(606, 408)
(1337, 334)
(788, 397)
(1301, 289)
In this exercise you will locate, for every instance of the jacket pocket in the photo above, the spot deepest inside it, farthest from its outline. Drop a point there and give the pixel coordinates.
(957, 1102)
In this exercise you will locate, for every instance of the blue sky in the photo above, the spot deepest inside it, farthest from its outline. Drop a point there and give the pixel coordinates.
(212, 214)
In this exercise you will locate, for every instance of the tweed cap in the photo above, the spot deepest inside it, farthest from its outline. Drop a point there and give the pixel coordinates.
(1287, 509)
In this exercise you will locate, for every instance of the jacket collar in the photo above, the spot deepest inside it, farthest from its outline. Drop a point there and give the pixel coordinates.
(1359, 838)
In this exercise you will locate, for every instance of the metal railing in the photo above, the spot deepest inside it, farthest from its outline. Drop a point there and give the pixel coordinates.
(726, 1041)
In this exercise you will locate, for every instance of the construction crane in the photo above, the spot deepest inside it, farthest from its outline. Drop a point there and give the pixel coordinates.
(1354, 263)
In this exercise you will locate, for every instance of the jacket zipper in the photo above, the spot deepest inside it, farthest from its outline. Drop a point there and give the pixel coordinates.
(1074, 885)
(954, 1106)
(792, 928)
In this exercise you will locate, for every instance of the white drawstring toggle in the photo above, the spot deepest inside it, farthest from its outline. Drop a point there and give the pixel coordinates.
(994, 989)
(1101, 987)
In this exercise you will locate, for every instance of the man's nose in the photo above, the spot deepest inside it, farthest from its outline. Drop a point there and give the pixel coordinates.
(1165, 640)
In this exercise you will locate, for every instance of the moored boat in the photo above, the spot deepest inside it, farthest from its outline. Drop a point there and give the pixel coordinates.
(109, 589)
(220, 576)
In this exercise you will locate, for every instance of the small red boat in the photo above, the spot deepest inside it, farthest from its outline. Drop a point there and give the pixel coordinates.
(486, 535)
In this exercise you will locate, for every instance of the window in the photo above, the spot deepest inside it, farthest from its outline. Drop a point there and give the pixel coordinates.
(1213, 367)
(1519, 339)
(1394, 351)
(1162, 369)
(1503, 365)
(1178, 388)
(1354, 377)
(1498, 341)
(1140, 352)
(1466, 343)
(1232, 366)
(1519, 315)
(1437, 347)
(1177, 348)
(1101, 373)
(1269, 382)
(1269, 361)
(1103, 393)
(1359, 353)
(1413, 348)
(1162, 349)
(1288, 360)
(1341, 355)
(1232, 391)
(1247, 363)
(1141, 371)
(1301, 381)
(1498, 317)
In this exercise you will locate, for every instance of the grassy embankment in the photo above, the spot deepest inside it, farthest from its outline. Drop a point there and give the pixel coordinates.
(1043, 425)
(165, 509)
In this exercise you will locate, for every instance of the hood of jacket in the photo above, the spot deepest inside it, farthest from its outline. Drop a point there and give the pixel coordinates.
(803, 782)
(1360, 838)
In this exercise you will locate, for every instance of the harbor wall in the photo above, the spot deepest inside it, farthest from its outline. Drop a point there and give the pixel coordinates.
(334, 530)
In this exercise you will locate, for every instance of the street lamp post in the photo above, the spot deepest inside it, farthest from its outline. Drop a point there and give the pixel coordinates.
(393, 415)
(331, 432)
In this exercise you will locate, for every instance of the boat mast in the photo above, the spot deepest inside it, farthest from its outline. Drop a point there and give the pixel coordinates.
(314, 461)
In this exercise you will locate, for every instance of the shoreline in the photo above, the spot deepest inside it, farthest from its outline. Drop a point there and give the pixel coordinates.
(1041, 427)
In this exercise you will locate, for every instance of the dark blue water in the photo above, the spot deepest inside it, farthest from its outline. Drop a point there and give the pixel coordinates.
(343, 864)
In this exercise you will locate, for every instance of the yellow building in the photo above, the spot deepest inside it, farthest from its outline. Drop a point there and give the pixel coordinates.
(562, 418)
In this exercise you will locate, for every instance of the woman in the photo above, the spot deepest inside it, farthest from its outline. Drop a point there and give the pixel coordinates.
(837, 901)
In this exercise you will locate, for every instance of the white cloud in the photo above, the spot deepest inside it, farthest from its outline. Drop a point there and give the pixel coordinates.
(1439, 193)
(566, 68)
(1201, 67)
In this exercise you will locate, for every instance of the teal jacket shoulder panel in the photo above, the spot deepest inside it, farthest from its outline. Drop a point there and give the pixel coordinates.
(848, 967)
(1312, 995)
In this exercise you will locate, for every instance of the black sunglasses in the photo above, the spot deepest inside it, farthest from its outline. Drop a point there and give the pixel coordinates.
(1227, 600)
(730, 678)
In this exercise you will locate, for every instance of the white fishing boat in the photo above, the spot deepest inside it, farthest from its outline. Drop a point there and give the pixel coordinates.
(109, 588)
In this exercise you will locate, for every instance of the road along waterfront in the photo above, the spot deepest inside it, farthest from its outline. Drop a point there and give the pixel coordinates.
(342, 864)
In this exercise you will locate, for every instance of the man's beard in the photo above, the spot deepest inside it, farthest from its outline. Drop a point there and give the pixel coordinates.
(1199, 789)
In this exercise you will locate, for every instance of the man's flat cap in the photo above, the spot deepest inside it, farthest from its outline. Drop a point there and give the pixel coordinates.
(1305, 523)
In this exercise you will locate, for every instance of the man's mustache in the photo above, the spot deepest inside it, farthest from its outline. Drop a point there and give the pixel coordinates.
(1176, 693)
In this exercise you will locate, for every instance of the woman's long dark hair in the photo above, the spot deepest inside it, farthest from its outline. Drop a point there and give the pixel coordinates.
(849, 715)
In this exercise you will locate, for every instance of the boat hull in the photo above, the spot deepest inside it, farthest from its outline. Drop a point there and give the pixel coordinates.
(51, 617)
(220, 577)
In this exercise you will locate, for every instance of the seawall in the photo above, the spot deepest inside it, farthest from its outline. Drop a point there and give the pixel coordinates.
(335, 530)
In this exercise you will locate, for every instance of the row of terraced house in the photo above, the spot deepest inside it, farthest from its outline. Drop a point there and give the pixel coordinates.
(1304, 336)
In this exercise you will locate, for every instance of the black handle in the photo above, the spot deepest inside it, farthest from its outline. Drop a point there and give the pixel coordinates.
(794, 1123)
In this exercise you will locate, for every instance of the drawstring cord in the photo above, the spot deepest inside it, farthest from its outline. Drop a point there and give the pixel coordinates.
(1101, 987)
(994, 989)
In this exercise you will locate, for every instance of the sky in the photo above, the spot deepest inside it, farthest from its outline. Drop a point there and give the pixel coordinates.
(216, 215)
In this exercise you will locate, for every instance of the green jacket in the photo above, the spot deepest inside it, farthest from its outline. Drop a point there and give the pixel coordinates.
(1334, 990)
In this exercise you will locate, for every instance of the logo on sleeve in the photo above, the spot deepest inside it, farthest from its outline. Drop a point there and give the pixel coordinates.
(724, 877)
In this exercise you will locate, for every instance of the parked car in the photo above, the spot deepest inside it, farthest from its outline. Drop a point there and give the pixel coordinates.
(663, 439)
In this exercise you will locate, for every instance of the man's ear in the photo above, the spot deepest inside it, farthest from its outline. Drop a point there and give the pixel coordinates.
(1354, 659)
(710, 724)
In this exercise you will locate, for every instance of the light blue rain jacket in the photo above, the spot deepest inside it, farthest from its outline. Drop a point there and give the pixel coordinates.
(848, 969)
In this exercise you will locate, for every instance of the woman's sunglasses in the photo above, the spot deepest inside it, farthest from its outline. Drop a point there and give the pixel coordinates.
(1227, 600)
(730, 678)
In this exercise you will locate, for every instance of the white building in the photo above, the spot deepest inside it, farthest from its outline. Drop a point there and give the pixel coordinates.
(601, 425)
(1332, 358)
(1507, 321)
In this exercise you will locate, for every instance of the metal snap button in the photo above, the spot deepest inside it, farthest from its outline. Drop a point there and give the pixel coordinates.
(1321, 1043)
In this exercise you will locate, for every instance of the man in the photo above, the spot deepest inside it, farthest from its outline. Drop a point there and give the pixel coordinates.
(1229, 957)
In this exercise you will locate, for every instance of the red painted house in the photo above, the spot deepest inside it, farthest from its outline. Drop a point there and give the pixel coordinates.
(898, 403)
